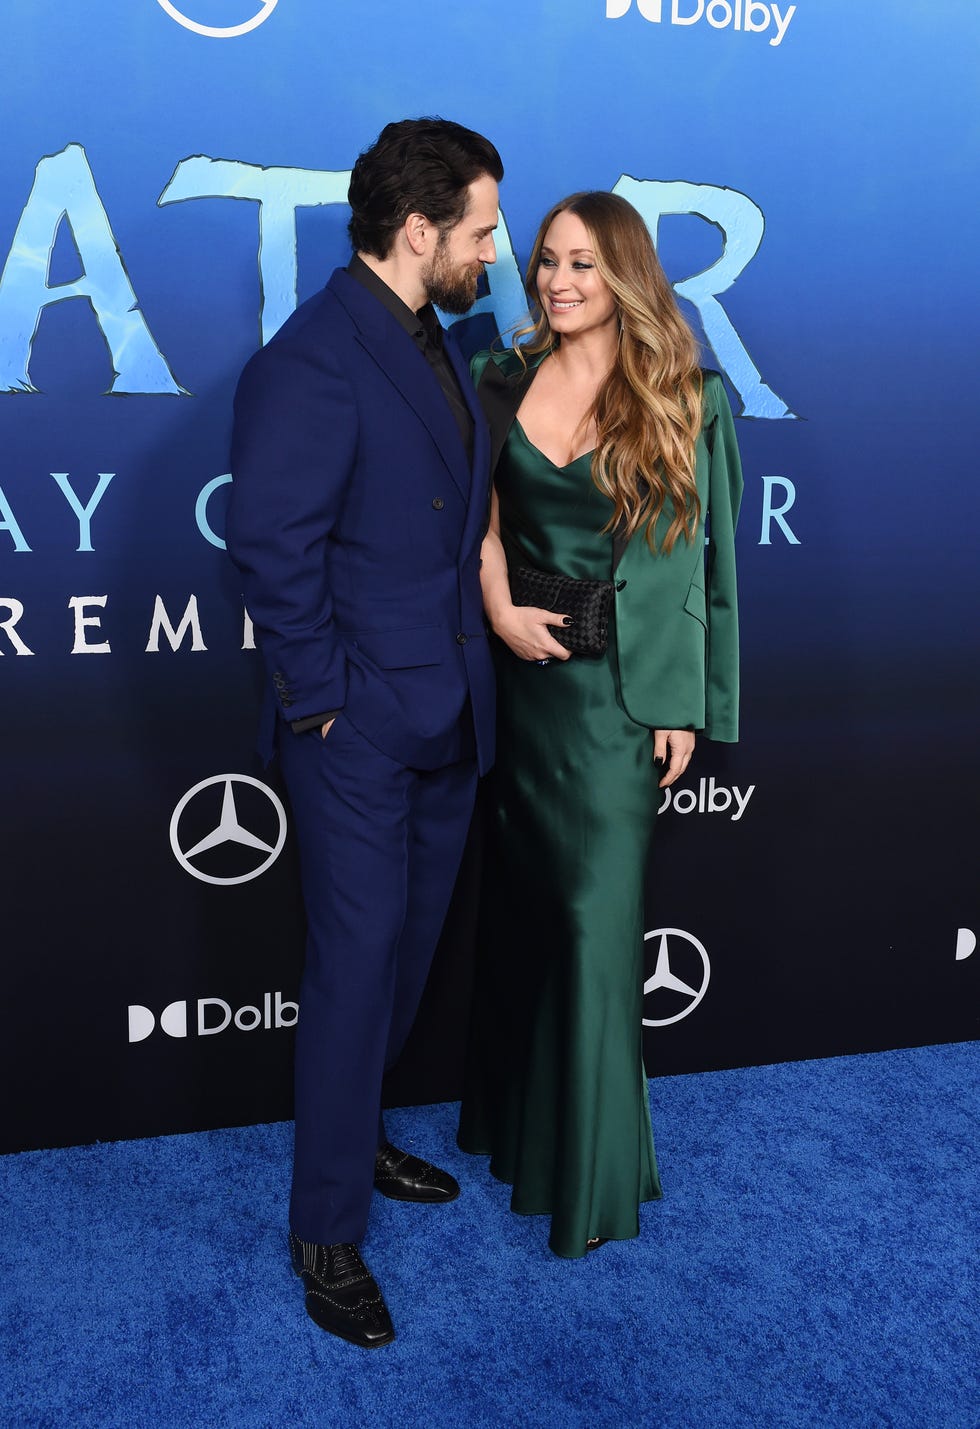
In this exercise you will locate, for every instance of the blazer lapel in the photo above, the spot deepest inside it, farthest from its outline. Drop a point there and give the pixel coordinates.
(501, 392)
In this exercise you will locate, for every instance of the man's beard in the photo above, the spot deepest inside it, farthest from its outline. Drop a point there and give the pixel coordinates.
(451, 288)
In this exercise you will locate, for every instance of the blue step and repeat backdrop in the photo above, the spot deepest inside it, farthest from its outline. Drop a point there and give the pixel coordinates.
(172, 182)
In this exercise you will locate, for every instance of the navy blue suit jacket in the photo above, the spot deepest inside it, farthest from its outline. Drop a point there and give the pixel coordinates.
(356, 522)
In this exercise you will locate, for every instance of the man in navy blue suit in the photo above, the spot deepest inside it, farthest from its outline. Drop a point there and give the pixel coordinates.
(361, 471)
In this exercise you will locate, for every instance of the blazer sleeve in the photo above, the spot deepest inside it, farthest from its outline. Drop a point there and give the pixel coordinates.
(293, 449)
(724, 499)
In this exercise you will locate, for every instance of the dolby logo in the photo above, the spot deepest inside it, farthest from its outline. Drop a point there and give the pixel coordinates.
(966, 944)
(753, 17)
(213, 1015)
(708, 798)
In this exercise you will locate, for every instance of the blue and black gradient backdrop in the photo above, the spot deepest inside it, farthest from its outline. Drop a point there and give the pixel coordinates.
(172, 181)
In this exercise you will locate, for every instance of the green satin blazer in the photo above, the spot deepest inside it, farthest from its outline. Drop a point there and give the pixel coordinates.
(676, 614)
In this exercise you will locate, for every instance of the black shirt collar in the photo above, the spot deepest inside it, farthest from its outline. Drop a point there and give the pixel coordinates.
(423, 326)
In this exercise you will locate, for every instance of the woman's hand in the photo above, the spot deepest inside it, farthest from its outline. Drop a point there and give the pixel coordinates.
(524, 629)
(680, 743)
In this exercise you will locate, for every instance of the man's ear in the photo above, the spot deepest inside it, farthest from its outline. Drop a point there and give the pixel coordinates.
(418, 233)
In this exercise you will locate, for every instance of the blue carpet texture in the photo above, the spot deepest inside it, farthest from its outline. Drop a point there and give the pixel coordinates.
(814, 1263)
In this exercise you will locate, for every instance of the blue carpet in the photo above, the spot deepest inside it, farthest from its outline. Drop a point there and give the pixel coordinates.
(814, 1263)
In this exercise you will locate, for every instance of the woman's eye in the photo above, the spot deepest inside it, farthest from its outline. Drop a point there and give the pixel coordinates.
(546, 263)
(583, 266)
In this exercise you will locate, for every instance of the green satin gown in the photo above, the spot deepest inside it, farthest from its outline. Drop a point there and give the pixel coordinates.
(556, 1092)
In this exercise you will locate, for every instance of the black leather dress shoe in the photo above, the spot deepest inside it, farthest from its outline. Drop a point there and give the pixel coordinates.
(342, 1295)
(402, 1177)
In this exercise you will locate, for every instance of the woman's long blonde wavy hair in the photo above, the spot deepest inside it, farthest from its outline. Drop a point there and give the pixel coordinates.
(648, 410)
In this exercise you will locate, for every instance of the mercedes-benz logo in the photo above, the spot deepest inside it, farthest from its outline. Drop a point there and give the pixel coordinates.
(222, 827)
(682, 971)
(220, 32)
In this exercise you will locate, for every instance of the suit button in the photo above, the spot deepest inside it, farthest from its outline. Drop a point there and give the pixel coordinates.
(461, 639)
(285, 701)
(278, 680)
(437, 503)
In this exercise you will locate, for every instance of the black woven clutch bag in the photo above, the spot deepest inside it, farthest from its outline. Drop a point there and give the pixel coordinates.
(587, 602)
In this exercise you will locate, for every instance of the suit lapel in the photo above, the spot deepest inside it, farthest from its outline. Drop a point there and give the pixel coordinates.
(481, 437)
(406, 368)
(478, 512)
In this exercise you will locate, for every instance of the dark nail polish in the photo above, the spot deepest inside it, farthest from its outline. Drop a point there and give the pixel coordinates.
(566, 620)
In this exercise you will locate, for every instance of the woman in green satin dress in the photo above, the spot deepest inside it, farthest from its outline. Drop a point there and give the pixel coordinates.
(614, 429)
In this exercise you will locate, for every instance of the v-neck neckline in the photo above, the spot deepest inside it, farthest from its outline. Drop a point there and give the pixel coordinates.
(535, 448)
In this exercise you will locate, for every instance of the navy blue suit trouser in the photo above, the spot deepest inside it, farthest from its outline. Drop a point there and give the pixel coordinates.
(380, 847)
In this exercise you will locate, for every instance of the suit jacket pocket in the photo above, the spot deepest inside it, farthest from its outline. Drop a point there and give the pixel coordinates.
(695, 604)
(401, 649)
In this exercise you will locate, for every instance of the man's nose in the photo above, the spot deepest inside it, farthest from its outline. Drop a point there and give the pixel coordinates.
(488, 253)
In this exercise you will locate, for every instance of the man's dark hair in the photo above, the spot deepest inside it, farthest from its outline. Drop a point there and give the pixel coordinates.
(415, 166)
